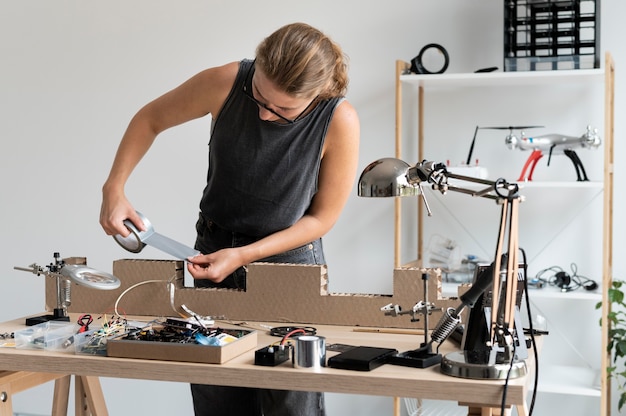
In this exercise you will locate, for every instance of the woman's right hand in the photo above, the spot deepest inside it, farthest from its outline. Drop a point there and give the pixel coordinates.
(114, 210)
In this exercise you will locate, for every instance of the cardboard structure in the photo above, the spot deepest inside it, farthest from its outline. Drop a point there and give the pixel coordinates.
(275, 293)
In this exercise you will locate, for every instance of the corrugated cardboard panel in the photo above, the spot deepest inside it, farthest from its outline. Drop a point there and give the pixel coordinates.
(275, 293)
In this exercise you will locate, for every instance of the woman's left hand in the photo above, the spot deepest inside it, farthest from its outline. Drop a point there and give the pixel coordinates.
(215, 266)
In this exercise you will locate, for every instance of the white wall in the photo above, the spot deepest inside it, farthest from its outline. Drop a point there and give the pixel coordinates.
(73, 73)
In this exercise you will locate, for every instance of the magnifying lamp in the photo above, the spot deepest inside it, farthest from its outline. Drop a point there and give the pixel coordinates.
(137, 240)
(65, 274)
(86, 276)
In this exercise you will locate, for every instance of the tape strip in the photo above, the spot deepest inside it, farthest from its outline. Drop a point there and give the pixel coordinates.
(169, 246)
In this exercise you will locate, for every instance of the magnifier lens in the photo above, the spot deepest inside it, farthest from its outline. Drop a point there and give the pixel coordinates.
(97, 277)
(89, 277)
(433, 60)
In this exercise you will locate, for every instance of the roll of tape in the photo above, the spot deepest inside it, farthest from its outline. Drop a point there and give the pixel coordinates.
(310, 352)
(137, 240)
(134, 242)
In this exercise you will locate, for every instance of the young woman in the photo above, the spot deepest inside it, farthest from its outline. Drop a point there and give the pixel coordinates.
(283, 154)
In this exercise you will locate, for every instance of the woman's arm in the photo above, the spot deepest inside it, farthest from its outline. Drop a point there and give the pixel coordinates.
(200, 95)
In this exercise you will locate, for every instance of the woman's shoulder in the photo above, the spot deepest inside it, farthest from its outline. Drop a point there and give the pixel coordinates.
(223, 75)
(344, 129)
(345, 114)
(209, 88)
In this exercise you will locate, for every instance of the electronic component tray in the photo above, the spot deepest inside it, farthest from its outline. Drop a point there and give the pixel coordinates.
(124, 347)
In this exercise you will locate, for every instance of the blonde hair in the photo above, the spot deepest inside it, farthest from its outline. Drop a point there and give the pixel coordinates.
(303, 62)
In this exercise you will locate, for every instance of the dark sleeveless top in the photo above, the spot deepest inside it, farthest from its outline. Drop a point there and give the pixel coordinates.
(262, 174)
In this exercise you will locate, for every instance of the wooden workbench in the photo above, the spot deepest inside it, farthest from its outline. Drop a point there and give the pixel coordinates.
(482, 397)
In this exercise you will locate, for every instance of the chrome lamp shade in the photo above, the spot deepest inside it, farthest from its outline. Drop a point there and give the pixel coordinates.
(386, 177)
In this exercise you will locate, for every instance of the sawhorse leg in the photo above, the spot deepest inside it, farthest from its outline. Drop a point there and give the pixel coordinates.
(522, 410)
(88, 397)
(12, 382)
(486, 411)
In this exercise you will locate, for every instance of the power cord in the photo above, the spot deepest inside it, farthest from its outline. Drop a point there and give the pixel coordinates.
(563, 280)
(520, 336)
(532, 339)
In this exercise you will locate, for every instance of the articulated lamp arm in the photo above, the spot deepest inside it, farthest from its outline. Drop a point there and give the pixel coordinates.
(437, 175)
(393, 177)
(506, 194)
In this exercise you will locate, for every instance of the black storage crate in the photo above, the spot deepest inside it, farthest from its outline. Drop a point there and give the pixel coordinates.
(551, 34)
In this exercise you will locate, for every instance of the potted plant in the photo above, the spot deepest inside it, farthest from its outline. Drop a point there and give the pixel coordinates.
(617, 337)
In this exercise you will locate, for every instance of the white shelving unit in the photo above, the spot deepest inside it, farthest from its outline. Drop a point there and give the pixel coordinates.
(568, 379)
(503, 79)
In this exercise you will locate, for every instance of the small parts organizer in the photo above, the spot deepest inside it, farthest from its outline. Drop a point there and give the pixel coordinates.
(169, 339)
(552, 34)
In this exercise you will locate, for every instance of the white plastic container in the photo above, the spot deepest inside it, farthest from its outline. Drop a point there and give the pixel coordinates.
(52, 336)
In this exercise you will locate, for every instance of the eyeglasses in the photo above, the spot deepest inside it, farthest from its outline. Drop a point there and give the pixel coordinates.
(265, 107)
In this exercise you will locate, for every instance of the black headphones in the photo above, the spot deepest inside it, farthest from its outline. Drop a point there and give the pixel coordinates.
(567, 282)
(562, 280)
(417, 63)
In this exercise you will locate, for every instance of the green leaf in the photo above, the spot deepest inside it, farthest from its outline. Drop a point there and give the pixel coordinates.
(620, 348)
(616, 296)
(616, 345)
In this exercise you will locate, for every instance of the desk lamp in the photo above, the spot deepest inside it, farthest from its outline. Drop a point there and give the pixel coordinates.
(496, 358)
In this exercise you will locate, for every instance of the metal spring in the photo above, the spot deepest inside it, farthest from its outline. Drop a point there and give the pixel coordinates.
(448, 322)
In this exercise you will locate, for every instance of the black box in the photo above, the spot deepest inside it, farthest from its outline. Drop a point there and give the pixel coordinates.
(361, 358)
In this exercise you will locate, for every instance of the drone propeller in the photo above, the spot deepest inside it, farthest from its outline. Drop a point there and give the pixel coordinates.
(510, 128)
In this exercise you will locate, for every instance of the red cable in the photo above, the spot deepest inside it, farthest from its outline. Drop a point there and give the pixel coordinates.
(287, 335)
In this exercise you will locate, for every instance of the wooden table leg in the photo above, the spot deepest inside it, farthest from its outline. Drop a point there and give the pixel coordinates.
(479, 411)
(396, 406)
(6, 404)
(89, 397)
(12, 382)
(522, 410)
(60, 400)
(491, 411)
